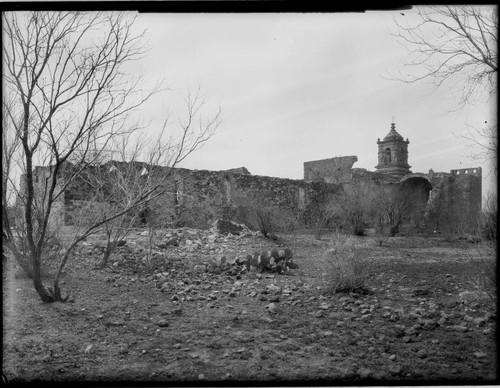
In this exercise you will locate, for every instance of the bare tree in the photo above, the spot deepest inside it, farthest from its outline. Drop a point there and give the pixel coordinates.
(65, 74)
(139, 174)
(485, 143)
(10, 146)
(351, 209)
(392, 207)
(456, 45)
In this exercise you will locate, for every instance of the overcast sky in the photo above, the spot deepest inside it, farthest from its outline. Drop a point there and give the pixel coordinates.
(297, 87)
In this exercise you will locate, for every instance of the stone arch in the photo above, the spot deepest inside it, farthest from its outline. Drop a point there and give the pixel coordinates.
(418, 186)
(387, 156)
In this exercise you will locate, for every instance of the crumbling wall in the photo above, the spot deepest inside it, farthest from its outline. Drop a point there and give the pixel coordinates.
(57, 214)
(334, 170)
(465, 187)
(197, 197)
(278, 192)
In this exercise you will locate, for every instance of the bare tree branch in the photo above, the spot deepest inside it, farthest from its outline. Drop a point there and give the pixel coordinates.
(456, 45)
(64, 72)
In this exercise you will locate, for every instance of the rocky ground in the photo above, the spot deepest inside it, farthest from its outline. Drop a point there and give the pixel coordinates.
(184, 313)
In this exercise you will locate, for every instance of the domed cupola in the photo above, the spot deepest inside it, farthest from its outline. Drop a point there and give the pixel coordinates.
(393, 154)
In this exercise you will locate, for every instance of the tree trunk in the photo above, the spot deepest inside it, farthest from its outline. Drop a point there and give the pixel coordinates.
(110, 247)
(107, 253)
(42, 291)
(26, 268)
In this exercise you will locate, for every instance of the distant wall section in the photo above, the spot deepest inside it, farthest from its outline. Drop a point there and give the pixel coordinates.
(334, 170)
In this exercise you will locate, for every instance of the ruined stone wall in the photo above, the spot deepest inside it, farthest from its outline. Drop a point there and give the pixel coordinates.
(197, 197)
(40, 174)
(465, 198)
(200, 196)
(334, 170)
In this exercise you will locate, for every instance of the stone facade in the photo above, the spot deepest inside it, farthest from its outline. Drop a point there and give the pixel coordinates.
(334, 170)
(197, 197)
(393, 154)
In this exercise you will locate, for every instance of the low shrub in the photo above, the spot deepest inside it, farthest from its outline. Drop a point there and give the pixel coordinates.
(268, 219)
(485, 281)
(489, 225)
(347, 266)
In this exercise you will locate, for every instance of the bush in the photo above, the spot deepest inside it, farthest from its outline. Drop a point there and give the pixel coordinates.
(267, 219)
(485, 281)
(489, 225)
(347, 266)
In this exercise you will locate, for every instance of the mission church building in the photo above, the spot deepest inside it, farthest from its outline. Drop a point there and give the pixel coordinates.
(197, 197)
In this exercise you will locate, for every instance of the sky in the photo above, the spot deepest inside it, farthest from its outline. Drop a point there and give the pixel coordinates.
(296, 87)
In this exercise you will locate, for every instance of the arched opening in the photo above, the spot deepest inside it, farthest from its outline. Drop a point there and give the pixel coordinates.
(416, 191)
(387, 156)
(418, 188)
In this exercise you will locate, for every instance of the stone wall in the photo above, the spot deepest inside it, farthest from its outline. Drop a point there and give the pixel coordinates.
(200, 196)
(465, 197)
(334, 170)
(197, 197)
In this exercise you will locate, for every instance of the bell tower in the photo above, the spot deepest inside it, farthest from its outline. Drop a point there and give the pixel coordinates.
(393, 154)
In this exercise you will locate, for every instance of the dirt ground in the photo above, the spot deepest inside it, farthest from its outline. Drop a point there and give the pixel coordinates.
(168, 321)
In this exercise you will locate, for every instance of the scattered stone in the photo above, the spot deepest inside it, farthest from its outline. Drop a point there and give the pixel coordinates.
(480, 354)
(399, 330)
(162, 323)
(272, 308)
(429, 324)
(272, 288)
(479, 321)
(173, 242)
(199, 268)
(364, 372)
(228, 227)
(422, 353)
(115, 323)
(459, 328)
(395, 370)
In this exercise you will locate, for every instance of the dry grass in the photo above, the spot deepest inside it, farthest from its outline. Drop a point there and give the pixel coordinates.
(347, 265)
(485, 280)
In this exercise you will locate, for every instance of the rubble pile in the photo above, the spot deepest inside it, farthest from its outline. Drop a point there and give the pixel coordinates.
(222, 249)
